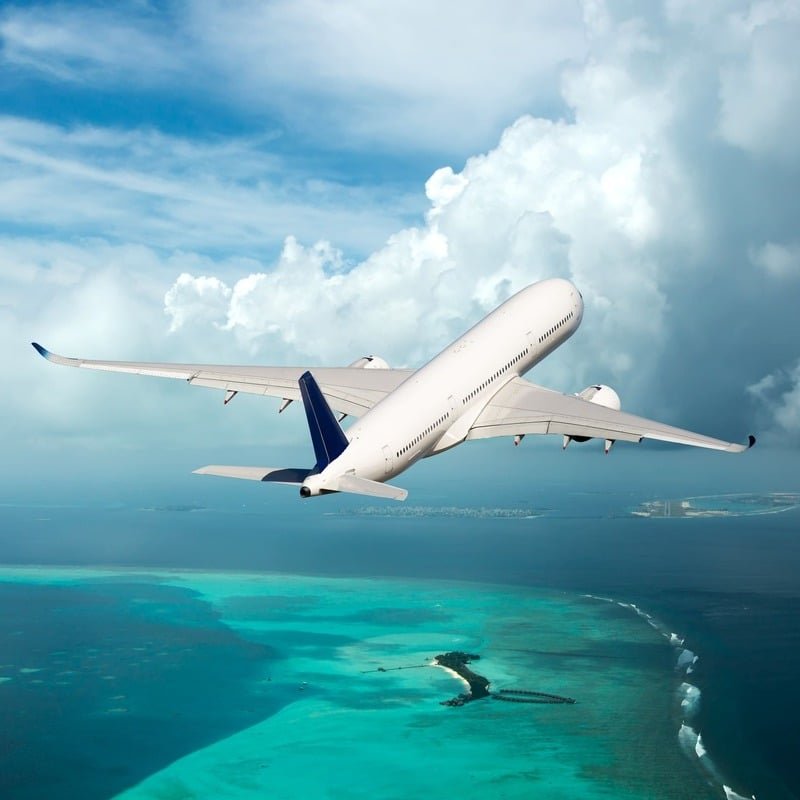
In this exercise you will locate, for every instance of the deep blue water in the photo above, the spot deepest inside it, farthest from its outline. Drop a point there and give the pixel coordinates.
(97, 652)
(730, 586)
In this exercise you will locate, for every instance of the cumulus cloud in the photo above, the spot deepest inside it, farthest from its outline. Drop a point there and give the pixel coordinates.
(197, 300)
(587, 199)
(646, 192)
(610, 198)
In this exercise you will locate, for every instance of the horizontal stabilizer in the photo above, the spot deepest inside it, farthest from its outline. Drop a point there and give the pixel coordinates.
(267, 474)
(356, 485)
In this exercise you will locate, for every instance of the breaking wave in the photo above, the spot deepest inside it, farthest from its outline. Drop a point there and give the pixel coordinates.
(686, 660)
(731, 795)
(689, 699)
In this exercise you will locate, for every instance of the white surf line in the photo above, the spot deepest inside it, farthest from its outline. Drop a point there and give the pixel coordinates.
(731, 795)
(686, 661)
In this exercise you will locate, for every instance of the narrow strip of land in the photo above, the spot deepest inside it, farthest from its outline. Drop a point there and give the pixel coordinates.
(456, 662)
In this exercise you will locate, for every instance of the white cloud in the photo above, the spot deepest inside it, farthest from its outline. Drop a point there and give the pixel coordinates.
(416, 74)
(623, 197)
(752, 48)
(197, 299)
(759, 91)
(144, 186)
(88, 45)
(610, 199)
(405, 76)
(777, 260)
(571, 199)
(778, 395)
(605, 200)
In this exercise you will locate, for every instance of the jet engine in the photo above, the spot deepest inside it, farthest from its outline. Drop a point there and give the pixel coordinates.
(602, 396)
(369, 362)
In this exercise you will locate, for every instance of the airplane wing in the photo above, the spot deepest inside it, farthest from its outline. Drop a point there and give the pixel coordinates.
(521, 407)
(349, 390)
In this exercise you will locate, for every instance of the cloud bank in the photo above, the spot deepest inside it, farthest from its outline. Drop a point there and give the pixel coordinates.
(662, 182)
(625, 197)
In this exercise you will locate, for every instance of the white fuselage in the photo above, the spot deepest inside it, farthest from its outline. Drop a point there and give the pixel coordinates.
(435, 407)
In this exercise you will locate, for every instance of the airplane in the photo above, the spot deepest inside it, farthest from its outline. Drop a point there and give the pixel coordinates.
(473, 389)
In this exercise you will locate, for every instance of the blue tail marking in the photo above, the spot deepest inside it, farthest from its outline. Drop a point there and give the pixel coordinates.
(326, 435)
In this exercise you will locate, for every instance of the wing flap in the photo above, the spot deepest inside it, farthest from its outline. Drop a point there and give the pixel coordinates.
(521, 407)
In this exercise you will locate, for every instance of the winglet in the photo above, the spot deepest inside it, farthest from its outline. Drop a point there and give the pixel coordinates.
(741, 448)
(42, 351)
(326, 435)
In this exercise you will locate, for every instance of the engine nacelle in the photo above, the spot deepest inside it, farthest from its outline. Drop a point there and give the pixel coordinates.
(369, 362)
(601, 395)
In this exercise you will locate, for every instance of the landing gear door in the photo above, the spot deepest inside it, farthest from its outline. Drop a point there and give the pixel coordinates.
(388, 456)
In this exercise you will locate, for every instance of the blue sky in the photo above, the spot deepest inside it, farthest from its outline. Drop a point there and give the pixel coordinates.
(306, 182)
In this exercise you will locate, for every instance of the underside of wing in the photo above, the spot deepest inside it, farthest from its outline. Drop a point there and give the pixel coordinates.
(521, 408)
(348, 390)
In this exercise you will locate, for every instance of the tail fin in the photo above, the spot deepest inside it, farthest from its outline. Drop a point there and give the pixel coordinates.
(326, 435)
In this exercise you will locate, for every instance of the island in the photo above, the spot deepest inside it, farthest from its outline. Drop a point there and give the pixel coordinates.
(456, 663)
(719, 505)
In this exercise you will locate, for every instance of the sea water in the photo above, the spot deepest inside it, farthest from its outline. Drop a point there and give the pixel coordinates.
(180, 684)
(726, 588)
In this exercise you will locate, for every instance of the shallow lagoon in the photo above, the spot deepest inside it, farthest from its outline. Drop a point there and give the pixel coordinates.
(289, 710)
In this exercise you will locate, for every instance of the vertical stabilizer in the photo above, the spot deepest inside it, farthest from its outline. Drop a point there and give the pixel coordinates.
(326, 435)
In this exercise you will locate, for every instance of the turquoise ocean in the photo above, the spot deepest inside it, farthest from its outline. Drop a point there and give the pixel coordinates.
(239, 643)
(275, 679)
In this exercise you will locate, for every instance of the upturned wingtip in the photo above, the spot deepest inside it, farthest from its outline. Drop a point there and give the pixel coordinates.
(42, 351)
(751, 440)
